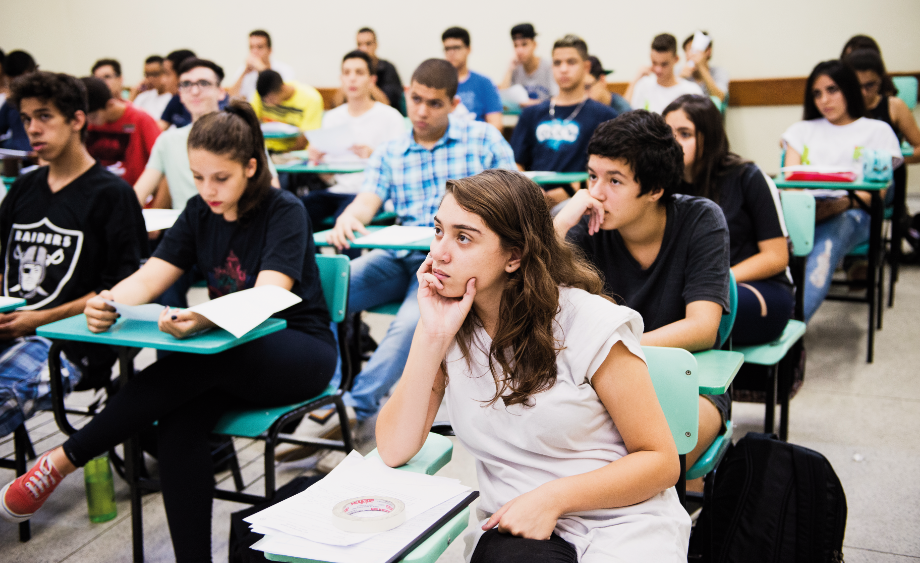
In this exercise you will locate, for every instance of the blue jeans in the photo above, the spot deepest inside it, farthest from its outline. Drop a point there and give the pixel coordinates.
(834, 238)
(380, 277)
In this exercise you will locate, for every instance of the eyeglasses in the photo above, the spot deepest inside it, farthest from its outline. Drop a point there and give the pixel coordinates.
(870, 86)
(201, 85)
(453, 48)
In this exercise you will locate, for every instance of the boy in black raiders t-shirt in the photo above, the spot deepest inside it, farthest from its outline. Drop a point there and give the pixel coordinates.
(68, 231)
(665, 256)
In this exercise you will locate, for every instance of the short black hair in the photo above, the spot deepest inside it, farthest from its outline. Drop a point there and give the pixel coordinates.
(116, 66)
(357, 54)
(63, 91)
(438, 74)
(572, 42)
(262, 33)
(97, 93)
(665, 43)
(368, 30)
(845, 78)
(18, 63)
(176, 57)
(153, 59)
(860, 42)
(195, 62)
(690, 38)
(268, 82)
(647, 144)
(2, 57)
(456, 33)
(523, 31)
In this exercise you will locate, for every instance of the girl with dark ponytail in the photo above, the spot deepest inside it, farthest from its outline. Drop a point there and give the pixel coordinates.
(240, 233)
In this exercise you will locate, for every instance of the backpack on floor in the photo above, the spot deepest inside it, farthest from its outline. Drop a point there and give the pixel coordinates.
(772, 502)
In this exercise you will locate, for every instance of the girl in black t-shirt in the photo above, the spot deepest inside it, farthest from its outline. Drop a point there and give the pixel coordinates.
(240, 233)
(759, 254)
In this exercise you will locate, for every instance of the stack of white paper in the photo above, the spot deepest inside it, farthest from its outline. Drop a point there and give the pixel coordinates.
(278, 127)
(333, 141)
(397, 235)
(159, 219)
(302, 526)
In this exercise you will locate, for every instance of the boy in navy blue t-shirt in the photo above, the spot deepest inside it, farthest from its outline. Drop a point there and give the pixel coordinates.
(475, 90)
(553, 135)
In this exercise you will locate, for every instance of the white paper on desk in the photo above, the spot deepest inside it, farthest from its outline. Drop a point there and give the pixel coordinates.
(278, 127)
(308, 515)
(334, 141)
(159, 219)
(4, 301)
(149, 312)
(242, 311)
(380, 548)
(536, 173)
(398, 234)
(516, 94)
(817, 169)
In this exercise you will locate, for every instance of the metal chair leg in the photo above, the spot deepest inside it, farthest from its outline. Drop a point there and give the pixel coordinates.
(22, 445)
(770, 404)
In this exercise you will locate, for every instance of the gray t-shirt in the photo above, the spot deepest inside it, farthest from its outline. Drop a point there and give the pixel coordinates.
(540, 85)
(719, 76)
(692, 264)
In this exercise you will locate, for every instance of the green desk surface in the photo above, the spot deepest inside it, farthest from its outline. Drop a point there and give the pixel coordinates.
(319, 239)
(280, 135)
(12, 306)
(543, 178)
(717, 369)
(783, 184)
(145, 334)
(304, 167)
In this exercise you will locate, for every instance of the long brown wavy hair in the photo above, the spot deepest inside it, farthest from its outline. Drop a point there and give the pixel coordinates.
(524, 347)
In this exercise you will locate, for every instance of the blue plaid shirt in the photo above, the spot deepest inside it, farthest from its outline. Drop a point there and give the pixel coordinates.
(413, 177)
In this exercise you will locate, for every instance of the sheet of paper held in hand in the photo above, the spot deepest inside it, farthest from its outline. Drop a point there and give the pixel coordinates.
(516, 94)
(308, 515)
(237, 313)
(334, 141)
(159, 219)
(279, 127)
(398, 234)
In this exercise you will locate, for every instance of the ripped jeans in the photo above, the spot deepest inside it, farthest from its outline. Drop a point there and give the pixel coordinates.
(834, 238)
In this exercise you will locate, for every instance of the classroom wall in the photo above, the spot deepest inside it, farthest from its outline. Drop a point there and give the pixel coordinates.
(751, 39)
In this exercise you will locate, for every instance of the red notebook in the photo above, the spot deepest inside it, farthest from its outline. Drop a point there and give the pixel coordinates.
(821, 177)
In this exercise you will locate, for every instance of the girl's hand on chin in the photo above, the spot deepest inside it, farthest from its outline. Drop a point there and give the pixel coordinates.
(441, 316)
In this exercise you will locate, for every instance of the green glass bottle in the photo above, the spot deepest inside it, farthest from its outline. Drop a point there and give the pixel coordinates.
(100, 489)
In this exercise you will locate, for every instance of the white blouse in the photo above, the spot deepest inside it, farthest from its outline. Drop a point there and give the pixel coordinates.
(565, 431)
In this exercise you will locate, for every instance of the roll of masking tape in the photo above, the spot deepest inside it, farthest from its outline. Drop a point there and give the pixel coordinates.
(368, 515)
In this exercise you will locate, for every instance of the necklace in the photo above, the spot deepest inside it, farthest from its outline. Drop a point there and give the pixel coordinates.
(552, 110)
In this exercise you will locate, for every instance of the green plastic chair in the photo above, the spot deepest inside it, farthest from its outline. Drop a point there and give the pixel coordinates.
(728, 320)
(907, 89)
(266, 424)
(799, 212)
(721, 104)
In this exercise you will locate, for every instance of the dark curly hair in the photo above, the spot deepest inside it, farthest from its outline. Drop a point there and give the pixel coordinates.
(63, 91)
(524, 347)
(647, 144)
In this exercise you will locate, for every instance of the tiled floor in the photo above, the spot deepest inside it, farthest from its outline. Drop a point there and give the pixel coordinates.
(862, 417)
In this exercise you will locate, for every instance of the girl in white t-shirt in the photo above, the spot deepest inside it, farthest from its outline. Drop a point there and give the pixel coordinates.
(545, 384)
(835, 133)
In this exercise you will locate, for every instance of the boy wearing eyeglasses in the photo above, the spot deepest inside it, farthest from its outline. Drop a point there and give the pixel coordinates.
(287, 102)
(151, 95)
(477, 93)
(553, 135)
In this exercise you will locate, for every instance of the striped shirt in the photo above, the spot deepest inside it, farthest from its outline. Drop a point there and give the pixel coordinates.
(413, 177)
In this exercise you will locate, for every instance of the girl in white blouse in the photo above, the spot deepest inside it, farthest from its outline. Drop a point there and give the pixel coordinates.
(545, 384)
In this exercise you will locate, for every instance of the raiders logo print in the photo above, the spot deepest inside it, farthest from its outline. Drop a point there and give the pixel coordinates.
(40, 260)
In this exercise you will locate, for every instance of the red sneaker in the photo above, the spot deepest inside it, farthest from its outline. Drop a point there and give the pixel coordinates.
(22, 497)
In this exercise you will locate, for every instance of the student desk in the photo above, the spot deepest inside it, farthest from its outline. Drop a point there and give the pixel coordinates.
(874, 290)
(13, 305)
(424, 245)
(544, 178)
(280, 135)
(128, 337)
(8, 181)
(717, 369)
(305, 167)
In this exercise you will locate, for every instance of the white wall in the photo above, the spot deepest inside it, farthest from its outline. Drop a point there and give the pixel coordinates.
(751, 39)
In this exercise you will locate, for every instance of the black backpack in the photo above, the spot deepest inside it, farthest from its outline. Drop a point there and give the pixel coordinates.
(772, 502)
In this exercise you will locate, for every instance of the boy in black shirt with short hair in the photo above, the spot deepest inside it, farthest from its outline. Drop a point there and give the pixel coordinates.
(68, 230)
(664, 255)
